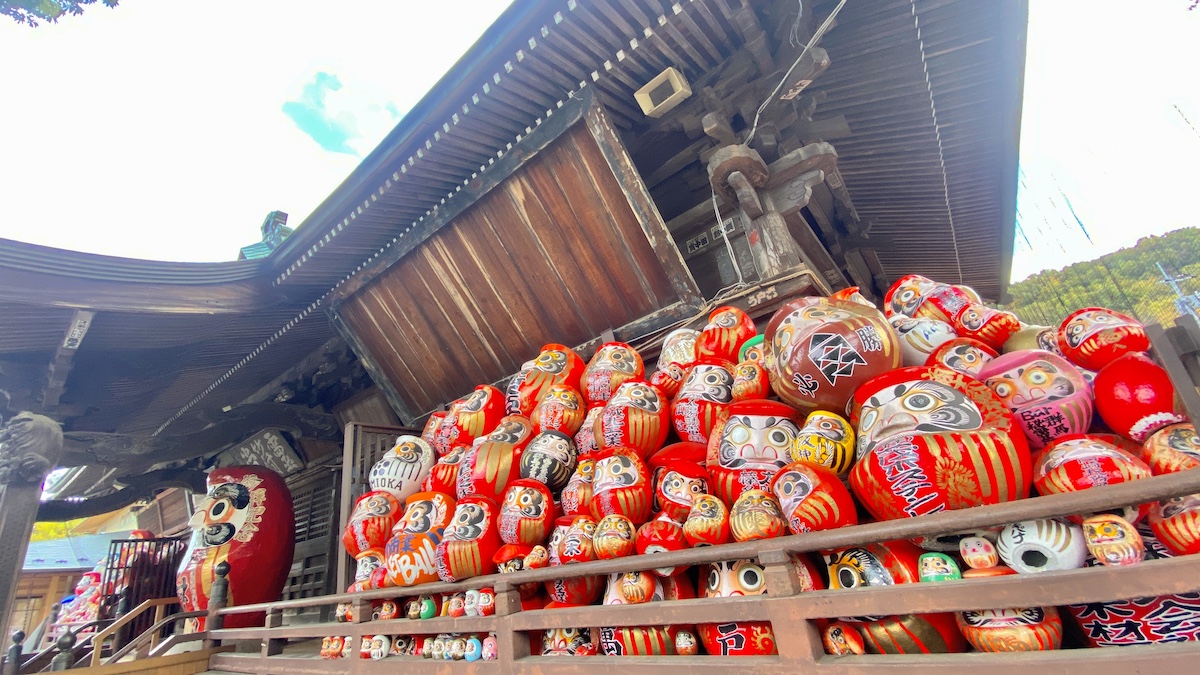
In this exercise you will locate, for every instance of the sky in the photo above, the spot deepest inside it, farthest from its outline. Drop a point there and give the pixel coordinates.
(1108, 86)
(168, 130)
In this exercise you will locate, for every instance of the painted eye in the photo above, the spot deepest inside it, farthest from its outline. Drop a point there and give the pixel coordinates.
(1076, 329)
(869, 418)
(750, 577)
(920, 402)
(1003, 389)
(739, 434)
(714, 579)
(778, 436)
(712, 377)
(220, 510)
(525, 499)
(1038, 377)
(787, 487)
(697, 488)
(907, 295)
(847, 577)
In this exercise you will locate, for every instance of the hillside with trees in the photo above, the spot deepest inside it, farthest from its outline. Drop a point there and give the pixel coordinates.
(1128, 280)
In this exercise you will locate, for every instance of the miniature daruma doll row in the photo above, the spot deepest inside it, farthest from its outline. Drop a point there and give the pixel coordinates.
(540, 490)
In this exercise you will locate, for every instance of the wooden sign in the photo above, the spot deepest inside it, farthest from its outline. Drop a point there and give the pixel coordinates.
(266, 448)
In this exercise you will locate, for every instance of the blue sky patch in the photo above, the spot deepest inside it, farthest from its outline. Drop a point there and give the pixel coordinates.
(313, 118)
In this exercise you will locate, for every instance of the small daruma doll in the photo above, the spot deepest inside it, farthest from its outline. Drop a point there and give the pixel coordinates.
(1135, 397)
(1081, 462)
(613, 364)
(677, 486)
(992, 327)
(678, 353)
(635, 417)
(920, 338)
(1112, 541)
(812, 498)
(1092, 337)
(819, 350)
(614, 537)
(621, 484)
(1046, 394)
(727, 330)
(527, 513)
(561, 409)
(707, 522)
(826, 439)
(956, 443)
(750, 381)
(1174, 448)
(751, 442)
(885, 564)
(964, 355)
(497, 458)
(706, 391)
(471, 540)
(755, 515)
(573, 542)
(371, 522)
(556, 364)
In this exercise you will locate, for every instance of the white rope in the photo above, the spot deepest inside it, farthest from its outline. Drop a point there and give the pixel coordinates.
(937, 131)
(812, 41)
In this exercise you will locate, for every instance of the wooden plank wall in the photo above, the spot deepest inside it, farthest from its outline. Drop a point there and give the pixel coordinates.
(552, 254)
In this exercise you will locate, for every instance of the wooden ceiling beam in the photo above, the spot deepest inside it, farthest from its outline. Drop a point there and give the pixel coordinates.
(64, 357)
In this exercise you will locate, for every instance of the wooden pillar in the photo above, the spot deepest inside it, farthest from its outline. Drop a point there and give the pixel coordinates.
(796, 639)
(30, 446)
(273, 646)
(511, 645)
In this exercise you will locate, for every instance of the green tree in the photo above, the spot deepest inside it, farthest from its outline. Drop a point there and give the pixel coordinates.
(1128, 280)
(31, 12)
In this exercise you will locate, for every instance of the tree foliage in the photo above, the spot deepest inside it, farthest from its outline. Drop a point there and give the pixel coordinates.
(1128, 280)
(52, 531)
(32, 12)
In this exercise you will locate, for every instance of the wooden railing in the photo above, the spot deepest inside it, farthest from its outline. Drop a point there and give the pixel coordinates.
(159, 606)
(788, 610)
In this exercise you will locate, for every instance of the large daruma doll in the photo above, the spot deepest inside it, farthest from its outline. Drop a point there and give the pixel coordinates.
(931, 439)
(247, 521)
(819, 350)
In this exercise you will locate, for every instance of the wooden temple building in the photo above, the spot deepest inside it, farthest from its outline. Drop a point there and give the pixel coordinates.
(530, 198)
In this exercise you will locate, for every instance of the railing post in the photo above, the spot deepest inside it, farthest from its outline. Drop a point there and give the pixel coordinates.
(65, 658)
(218, 597)
(12, 660)
(118, 638)
(796, 639)
(511, 646)
(273, 646)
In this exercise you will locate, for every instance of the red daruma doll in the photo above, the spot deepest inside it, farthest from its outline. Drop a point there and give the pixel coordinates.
(556, 364)
(247, 521)
(706, 391)
(471, 540)
(621, 484)
(636, 418)
(727, 330)
(614, 364)
(958, 444)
